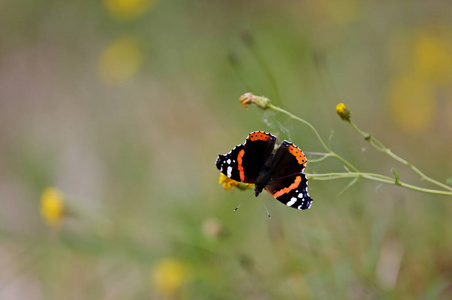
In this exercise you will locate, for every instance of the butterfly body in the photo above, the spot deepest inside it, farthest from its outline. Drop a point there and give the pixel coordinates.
(263, 176)
(281, 173)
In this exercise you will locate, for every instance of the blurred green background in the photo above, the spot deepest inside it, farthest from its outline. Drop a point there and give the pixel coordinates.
(123, 106)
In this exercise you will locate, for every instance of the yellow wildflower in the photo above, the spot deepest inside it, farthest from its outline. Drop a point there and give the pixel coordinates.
(412, 102)
(120, 61)
(433, 56)
(343, 111)
(230, 184)
(52, 206)
(169, 277)
(127, 10)
(415, 93)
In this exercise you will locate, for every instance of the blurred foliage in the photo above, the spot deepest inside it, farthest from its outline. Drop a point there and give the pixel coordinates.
(123, 106)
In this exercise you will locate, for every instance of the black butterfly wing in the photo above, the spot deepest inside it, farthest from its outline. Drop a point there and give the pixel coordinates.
(228, 163)
(288, 184)
(244, 162)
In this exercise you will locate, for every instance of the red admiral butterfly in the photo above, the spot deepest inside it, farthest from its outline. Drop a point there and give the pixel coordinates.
(281, 174)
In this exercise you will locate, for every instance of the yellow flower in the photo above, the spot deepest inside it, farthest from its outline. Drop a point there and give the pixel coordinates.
(343, 111)
(412, 102)
(52, 206)
(415, 93)
(120, 61)
(169, 276)
(127, 10)
(230, 184)
(433, 56)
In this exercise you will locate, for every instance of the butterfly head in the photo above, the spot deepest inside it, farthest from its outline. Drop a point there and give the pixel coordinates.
(257, 190)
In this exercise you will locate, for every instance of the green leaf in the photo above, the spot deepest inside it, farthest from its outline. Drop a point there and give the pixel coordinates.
(348, 186)
(397, 181)
(330, 138)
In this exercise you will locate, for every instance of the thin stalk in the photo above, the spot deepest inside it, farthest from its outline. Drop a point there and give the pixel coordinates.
(375, 177)
(324, 145)
(264, 103)
(276, 108)
(318, 159)
(318, 153)
(379, 146)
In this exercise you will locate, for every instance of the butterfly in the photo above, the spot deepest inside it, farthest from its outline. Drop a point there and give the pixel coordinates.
(280, 174)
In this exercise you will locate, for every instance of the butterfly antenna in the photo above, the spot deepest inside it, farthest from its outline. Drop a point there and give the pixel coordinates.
(243, 202)
(266, 209)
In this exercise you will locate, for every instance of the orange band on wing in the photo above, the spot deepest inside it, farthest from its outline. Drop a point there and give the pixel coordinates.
(295, 151)
(289, 188)
(259, 136)
(239, 161)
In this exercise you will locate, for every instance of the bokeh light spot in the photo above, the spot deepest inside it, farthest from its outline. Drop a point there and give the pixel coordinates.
(120, 61)
(433, 57)
(412, 103)
(169, 276)
(52, 206)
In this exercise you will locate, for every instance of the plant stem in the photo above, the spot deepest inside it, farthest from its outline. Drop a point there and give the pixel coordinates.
(324, 145)
(375, 177)
(356, 173)
(379, 146)
(276, 108)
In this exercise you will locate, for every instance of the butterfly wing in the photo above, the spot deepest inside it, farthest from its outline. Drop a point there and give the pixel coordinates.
(230, 164)
(288, 184)
(244, 162)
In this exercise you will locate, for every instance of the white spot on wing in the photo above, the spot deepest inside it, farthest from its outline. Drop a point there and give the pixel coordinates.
(292, 201)
(229, 174)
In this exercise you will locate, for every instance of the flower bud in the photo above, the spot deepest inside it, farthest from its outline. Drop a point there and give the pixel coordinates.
(249, 98)
(343, 112)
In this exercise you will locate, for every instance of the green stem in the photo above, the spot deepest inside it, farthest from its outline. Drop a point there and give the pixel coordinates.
(356, 173)
(276, 108)
(319, 159)
(375, 177)
(318, 153)
(344, 161)
(379, 146)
